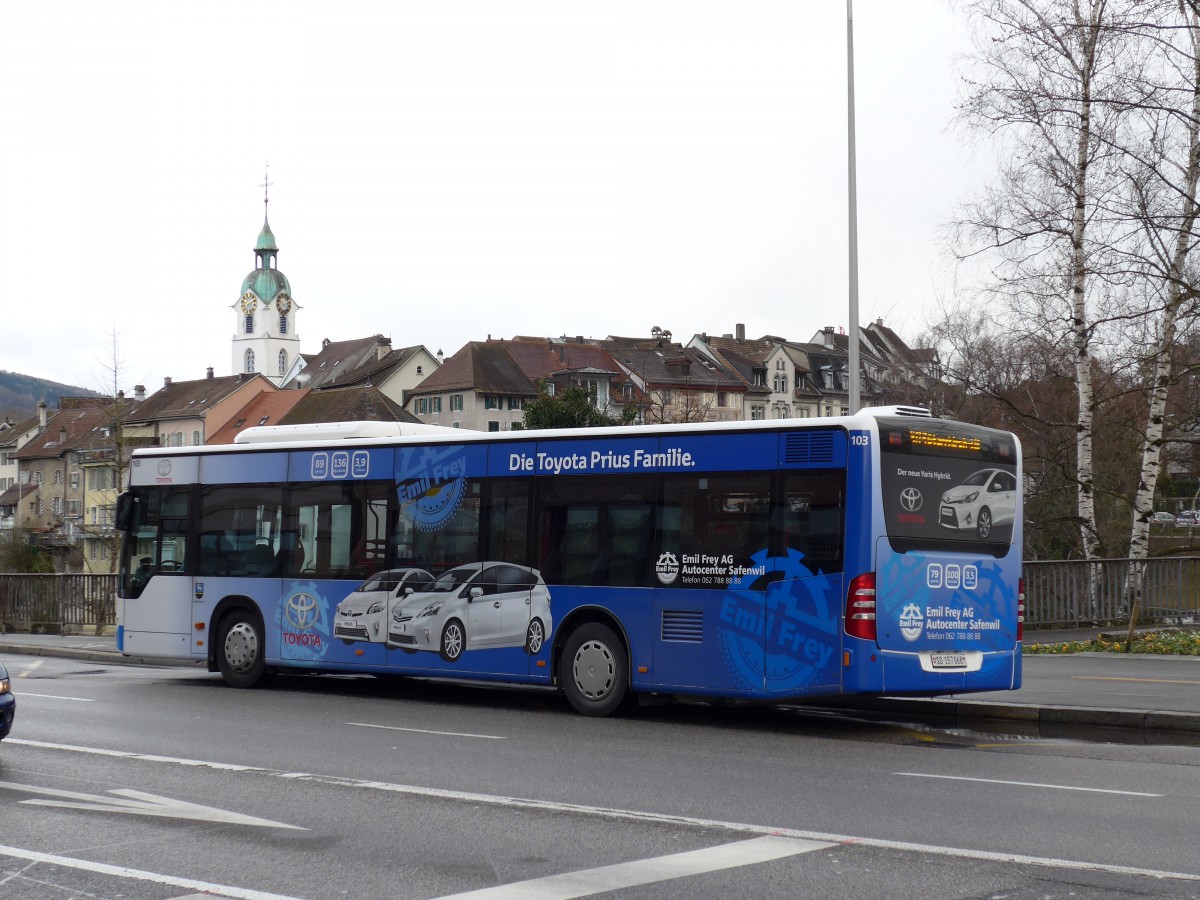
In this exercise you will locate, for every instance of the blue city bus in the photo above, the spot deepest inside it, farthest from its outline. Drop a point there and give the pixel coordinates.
(877, 553)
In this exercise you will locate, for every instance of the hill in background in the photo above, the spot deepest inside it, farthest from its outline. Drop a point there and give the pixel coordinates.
(19, 394)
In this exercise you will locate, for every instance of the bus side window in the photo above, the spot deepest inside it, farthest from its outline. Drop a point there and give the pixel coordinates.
(811, 518)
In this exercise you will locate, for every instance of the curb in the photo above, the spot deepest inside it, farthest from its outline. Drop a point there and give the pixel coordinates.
(105, 656)
(974, 712)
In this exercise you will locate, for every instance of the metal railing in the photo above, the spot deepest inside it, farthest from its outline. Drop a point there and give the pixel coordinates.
(1078, 593)
(57, 604)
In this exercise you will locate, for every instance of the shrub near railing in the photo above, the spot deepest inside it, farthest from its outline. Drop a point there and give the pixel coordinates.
(57, 604)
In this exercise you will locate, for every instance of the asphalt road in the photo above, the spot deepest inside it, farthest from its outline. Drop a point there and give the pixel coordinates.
(135, 782)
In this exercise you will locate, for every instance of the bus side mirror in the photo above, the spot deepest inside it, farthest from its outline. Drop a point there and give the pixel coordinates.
(125, 506)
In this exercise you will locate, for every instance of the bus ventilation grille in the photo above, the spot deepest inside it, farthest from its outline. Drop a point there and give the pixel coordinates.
(808, 448)
(683, 626)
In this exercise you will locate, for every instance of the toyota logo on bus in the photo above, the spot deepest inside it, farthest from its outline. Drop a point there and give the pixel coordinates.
(911, 499)
(302, 611)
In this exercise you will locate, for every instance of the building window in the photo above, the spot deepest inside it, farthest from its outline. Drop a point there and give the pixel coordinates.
(176, 440)
(249, 360)
(418, 370)
(250, 324)
(514, 403)
(283, 324)
(491, 401)
(56, 506)
(666, 398)
(757, 413)
(435, 404)
(195, 439)
(23, 477)
(781, 384)
(722, 398)
(493, 425)
(74, 479)
(41, 507)
(456, 402)
(39, 477)
(73, 507)
(422, 405)
(456, 424)
(57, 477)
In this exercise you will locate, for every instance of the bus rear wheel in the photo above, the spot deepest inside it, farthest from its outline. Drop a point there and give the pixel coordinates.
(595, 671)
(240, 650)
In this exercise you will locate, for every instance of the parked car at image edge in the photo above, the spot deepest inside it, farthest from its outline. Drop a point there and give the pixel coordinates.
(8, 703)
(1189, 518)
(472, 607)
(1162, 518)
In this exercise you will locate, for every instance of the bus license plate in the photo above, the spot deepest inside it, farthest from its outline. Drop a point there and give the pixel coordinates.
(948, 660)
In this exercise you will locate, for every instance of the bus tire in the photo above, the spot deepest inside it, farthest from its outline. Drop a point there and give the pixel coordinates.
(595, 671)
(454, 641)
(535, 637)
(983, 523)
(241, 655)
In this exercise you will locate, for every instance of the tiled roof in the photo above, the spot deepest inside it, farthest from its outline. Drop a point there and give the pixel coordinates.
(358, 403)
(267, 408)
(188, 399)
(337, 359)
(484, 366)
(72, 428)
(16, 494)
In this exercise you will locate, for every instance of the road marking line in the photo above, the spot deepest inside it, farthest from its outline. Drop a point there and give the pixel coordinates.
(1136, 680)
(86, 865)
(586, 882)
(486, 737)
(55, 697)
(631, 815)
(36, 664)
(1057, 787)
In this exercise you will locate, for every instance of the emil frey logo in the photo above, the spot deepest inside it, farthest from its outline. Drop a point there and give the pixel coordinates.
(667, 568)
(912, 623)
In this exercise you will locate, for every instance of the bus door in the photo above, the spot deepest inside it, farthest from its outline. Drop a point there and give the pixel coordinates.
(155, 606)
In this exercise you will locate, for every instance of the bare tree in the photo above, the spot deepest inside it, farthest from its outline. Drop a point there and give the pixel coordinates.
(1043, 84)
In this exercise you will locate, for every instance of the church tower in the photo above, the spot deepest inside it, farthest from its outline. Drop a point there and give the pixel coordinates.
(265, 338)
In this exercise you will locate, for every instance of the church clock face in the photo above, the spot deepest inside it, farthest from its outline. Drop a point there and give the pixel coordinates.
(248, 306)
(283, 304)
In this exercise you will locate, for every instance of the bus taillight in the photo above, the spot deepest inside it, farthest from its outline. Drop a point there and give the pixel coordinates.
(860, 607)
(1020, 609)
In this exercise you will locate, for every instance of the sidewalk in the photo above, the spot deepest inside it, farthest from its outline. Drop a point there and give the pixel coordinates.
(1155, 699)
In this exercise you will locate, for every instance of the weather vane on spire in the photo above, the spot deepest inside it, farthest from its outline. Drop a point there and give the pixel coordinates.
(266, 186)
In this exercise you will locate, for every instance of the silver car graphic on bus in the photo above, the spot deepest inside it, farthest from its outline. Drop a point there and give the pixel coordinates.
(362, 615)
(984, 500)
(473, 607)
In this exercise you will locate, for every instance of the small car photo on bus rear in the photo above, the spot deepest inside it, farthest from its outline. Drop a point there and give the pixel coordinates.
(985, 500)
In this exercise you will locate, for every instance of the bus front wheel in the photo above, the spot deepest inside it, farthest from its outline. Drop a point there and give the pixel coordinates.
(595, 671)
(240, 649)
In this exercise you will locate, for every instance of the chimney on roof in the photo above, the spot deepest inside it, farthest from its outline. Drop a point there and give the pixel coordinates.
(120, 395)
(41, 414)
(209, 375)
(166, 381)
(827, 333)
(139, 393)
(741, 331)
(441, 358)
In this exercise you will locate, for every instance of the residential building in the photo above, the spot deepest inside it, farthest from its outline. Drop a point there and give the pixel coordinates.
(182, 413)
(677, 383)
(366, 361)
(355, 403)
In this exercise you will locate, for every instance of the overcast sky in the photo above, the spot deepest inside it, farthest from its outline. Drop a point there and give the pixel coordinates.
(442, 171)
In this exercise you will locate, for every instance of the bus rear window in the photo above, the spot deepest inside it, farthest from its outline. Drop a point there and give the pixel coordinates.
(948, 485)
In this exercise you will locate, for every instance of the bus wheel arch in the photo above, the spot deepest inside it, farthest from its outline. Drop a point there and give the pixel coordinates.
(592, 664)
(238, 650)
